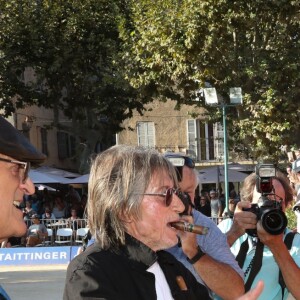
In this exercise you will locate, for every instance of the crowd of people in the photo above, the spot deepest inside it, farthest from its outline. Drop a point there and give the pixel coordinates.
(212, 204)
(136, 196)
(48, 208)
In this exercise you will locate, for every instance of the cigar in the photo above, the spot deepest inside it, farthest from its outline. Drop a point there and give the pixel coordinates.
(185, 226)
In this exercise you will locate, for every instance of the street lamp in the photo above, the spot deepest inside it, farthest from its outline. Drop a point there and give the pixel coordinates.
(211, 98)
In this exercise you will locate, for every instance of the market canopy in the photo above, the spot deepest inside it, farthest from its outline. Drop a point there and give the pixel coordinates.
(40, 177)
(78, 180)
(56, 172)
(217, 174)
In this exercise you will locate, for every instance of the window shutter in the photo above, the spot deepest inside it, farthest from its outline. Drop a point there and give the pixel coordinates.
(146, 134)
(192, 136)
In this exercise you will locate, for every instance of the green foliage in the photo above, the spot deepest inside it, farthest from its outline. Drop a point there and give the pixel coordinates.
(73, 48)
(175, 47)
(292, 219)
(98, 58)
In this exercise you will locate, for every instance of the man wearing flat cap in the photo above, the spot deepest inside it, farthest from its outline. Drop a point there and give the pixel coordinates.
(16, 155)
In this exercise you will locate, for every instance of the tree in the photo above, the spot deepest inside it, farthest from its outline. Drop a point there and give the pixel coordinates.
(173, 48)
(73, 48)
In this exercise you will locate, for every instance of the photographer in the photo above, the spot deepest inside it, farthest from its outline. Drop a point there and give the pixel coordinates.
(260, 246)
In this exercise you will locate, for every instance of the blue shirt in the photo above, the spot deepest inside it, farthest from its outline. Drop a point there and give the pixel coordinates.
(214, 243)
(3, 294)
(269, 271)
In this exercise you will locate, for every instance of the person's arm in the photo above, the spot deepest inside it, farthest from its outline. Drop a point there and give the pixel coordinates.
(220, 277)
(290, 270)
(242, 220)
(221, 209)
(42, 232)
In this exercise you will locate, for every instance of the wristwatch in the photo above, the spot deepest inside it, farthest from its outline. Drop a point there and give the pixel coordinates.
(198, 255)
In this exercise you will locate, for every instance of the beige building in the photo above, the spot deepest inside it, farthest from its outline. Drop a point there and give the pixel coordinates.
(167, 129)
(36, 123)
(58, 145)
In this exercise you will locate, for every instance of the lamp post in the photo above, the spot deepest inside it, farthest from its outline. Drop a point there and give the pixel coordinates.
(211, 98)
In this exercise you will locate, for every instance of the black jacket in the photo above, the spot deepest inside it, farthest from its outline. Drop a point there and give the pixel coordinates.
(120, 274)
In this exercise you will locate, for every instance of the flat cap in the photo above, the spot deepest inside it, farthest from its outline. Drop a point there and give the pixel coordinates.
(14, 144)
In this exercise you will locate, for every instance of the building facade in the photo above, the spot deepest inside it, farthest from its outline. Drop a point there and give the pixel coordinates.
(167, 129)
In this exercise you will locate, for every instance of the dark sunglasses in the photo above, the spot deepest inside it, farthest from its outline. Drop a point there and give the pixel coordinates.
(168, 195)
(24, 168)
(187, 162)
(179, 162)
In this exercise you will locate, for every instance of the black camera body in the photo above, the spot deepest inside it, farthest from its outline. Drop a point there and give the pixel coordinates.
(270, 212)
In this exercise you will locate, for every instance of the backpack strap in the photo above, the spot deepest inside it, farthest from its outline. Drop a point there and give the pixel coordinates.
(288, 240)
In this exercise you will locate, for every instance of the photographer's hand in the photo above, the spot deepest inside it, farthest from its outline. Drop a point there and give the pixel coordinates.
(242, 220)
(268, 239)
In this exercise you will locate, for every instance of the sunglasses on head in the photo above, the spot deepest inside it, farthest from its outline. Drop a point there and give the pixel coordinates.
(24, 168)
(179, 162)
(168, 195)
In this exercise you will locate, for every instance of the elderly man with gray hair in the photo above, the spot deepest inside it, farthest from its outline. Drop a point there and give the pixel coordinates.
(133, 202)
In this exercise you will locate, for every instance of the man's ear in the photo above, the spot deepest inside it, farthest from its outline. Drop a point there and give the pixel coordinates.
(126, 217)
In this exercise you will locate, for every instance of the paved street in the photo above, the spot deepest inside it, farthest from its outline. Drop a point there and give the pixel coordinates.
(27, 283)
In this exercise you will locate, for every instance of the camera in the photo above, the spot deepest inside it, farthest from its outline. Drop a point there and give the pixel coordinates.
(186, 200)
(268, 211)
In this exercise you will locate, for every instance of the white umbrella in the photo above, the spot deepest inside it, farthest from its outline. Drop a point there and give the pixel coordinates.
(41, 187)
(57, 172)
(80, 179)
(216, 175)
(39, 177)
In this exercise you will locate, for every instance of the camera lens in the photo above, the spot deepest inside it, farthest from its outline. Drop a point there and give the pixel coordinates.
(274, 221)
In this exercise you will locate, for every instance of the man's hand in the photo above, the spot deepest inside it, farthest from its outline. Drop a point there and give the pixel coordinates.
(188, 240)
(254, 293)
(242, 221)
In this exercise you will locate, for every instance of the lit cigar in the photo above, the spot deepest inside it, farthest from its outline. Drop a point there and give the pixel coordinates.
(185, 226)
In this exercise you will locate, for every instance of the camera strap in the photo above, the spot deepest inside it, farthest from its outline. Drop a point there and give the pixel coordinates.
(255, 264)
(241, 256)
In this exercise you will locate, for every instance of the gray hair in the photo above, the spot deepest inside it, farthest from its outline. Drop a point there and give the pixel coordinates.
(118, 178)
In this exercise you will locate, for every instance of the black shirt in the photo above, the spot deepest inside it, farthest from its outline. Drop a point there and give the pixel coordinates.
(121, 274)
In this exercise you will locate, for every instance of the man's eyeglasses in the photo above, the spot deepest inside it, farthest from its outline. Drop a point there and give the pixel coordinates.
(24, 168)
(168, 195)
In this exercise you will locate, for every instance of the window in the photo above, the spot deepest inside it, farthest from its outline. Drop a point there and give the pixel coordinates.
(66, 145)
(205, 141)
(146, 134)
(62, 145)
